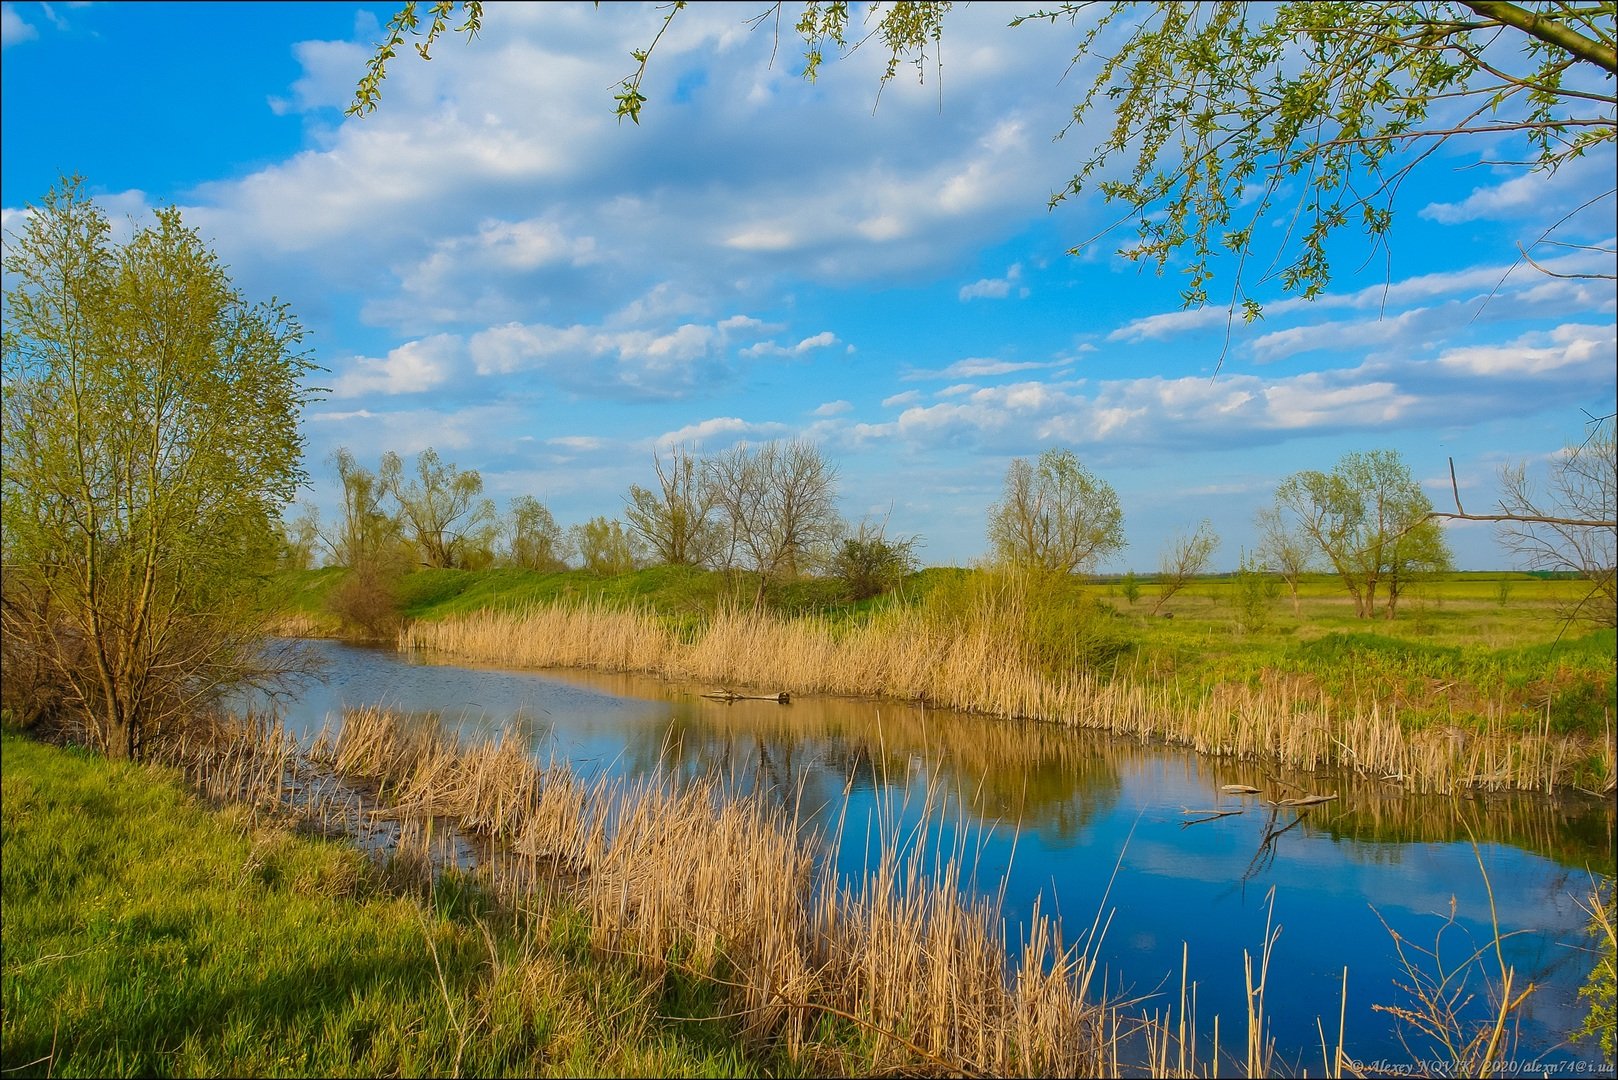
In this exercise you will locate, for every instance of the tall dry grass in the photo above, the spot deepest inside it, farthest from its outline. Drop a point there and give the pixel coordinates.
(980, 665)
(726, 888)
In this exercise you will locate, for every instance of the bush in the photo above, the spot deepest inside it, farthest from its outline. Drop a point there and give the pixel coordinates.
(368, 603)
(869, 564)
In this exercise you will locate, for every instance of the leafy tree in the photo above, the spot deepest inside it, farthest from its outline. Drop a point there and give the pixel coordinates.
(151, 438)
(869, 564)
(440, 509)
(367, 534)
(1255, 588)
(677, 522)
(1370, 520)
(1570, 525)
(1055, 515)
(779, 502)
(605, 547)
(1184, 559)
(1220, 110)
(368, 540)
(533, 539)
(300, 540)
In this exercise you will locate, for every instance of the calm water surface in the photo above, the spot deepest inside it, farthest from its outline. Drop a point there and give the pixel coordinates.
(1093, 826)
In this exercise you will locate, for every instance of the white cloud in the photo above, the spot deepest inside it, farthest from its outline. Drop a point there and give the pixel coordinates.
(979, 367)
(411, 368)
(14, 30)
(728, 429)
(821, 340)
(1539, 353)
(908, 397)
(994, 288)
(833, 408)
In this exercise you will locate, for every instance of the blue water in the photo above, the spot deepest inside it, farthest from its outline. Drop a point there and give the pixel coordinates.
(1094, 828)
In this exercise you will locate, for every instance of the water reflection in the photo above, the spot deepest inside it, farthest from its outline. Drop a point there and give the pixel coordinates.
(1052, 812)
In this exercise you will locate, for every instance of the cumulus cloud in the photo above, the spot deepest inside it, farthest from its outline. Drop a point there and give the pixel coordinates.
(995, 288)
(410, 369)
(720, 430)
(615, 362)
(833, 408)
(1566, 347)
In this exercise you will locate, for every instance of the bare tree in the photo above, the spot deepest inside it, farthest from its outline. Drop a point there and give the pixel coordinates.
(1055, 515)
(1185, 558)
(677, 522)
(1284, 550)
(780, 503)
(1568, 527)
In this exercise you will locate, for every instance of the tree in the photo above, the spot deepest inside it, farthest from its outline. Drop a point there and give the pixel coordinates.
(533, 539)
(1185, 558)
(605, 547)
(1570, 526)
(1371, 521)
(676, 522)
(367, 539)
(1284, 548)
(1055, 515)
(1219, 110)
(779, 502)
(440, 509)
(300, 539)
(367, 535)
(869, 564)
(151, 438)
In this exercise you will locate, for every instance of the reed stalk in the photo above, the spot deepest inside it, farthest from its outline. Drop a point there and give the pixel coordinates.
(980, 666)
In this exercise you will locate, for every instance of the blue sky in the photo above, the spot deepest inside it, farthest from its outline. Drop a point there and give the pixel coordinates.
(492, 265)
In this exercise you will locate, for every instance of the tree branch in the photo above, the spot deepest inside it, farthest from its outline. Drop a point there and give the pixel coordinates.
(1549, 31)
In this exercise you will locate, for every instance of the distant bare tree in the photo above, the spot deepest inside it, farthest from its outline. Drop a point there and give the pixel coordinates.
(1570, 526)
(1185, 558)
(780, 503)
(1284, 550)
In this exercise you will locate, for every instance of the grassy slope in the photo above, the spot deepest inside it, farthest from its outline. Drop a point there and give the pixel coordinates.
(148, 935)
(1459, 643)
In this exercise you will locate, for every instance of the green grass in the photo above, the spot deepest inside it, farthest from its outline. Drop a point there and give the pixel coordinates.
(1459, 646)
(146, 934)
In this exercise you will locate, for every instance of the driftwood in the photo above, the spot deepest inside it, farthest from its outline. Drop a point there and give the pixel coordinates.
(1239, 789)
(1307, 800)
(730, 695)
(1211, 816)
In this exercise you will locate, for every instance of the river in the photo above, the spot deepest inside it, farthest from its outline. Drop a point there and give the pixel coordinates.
(1096, 827)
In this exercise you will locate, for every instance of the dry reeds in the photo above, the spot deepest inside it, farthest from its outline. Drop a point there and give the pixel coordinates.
(726, 889)
(979, 665)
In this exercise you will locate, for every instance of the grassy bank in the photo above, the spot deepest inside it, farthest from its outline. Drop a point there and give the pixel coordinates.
(1479, 683)
(147, 935)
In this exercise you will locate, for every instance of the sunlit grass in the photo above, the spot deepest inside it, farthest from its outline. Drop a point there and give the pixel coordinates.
(146, 935)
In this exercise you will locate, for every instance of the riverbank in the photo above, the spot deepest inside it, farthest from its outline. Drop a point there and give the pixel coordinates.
(1480, 686)
(149, 935)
